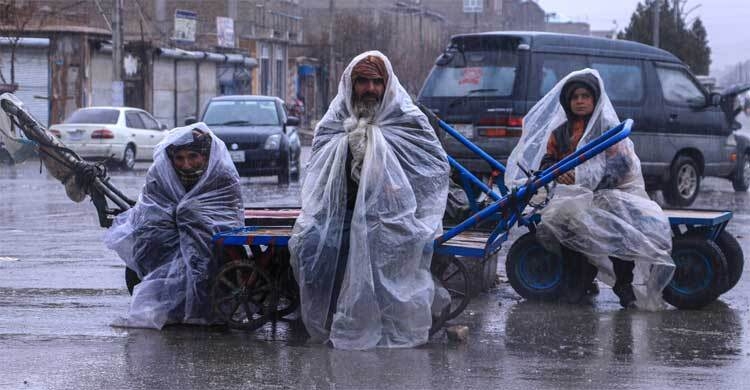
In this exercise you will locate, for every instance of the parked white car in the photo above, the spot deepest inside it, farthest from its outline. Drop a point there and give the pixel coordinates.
(125, 134)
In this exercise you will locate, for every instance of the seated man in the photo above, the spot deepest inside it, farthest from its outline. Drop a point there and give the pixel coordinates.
(601, 212)
(192, 191)
(372, 202)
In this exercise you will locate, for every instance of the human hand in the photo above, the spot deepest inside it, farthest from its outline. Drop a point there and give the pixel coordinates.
(567, 178)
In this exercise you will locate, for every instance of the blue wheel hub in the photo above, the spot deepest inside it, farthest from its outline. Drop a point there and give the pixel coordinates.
(694, 271)
(539, 269)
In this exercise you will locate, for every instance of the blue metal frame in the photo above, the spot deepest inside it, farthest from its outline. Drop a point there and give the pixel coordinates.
(507, 209)
(512, 205)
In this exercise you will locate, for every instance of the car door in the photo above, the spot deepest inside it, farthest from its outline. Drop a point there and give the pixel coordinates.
(142, 138)
(690, 122)
(153, 130)
(624, 83)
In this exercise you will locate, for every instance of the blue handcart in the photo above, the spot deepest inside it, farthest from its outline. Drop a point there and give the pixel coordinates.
(255, 284)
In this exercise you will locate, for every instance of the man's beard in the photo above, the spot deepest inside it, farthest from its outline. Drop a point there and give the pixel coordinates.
(365, 108)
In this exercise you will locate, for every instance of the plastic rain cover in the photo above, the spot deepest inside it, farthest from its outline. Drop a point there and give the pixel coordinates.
(607, 212)
(12, 140)
(387, 289)
(166, 237)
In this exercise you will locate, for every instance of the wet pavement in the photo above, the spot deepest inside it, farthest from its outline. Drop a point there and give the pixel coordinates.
(60, 289)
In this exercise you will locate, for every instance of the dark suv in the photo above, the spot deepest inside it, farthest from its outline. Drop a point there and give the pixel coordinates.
(484, 83)
(262, 139)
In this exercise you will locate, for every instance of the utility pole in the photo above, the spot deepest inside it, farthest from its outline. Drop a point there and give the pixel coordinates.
(118, 87)
(331, 53)
(657, 11)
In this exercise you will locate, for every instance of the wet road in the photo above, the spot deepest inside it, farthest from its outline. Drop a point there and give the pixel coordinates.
(60, 288)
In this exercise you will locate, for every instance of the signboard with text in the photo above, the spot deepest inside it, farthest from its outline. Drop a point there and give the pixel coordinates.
(473, 6)
(185, 25)
(225, 31)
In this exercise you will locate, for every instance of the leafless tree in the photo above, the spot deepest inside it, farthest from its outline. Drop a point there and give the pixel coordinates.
(15, 18)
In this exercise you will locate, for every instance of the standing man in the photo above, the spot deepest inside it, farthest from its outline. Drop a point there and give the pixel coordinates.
(372, 203)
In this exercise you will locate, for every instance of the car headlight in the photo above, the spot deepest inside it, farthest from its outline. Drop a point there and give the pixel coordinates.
(273, 142)
(731, 140)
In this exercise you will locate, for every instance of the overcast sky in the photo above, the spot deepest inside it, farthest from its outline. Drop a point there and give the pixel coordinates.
(726, 21)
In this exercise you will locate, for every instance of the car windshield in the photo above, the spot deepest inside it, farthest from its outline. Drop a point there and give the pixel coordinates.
(94, 115)
(241, 113)
(476, 67)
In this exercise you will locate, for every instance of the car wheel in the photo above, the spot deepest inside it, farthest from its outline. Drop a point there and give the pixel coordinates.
(684, 182)
(283, 176)
(741, 179)
(297, 169)
(128, 158)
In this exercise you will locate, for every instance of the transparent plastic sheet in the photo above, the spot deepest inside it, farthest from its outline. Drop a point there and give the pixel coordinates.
(18, 148)
(387, 292)
(607, 212)
(166, 236)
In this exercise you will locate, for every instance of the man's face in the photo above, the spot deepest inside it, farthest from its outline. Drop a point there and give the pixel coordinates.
(582, 102)
(369, 91)
(189, 160)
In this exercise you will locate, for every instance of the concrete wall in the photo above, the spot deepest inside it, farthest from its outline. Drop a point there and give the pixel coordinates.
(101, 79)
(208, 85)
(163, 91)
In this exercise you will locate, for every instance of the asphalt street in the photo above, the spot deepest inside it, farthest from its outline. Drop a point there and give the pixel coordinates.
(60, 289)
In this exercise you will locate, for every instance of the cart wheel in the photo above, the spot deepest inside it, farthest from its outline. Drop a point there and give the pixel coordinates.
(288, 293)
(534, 272)
(454, 277)
(243, 295)
(701, 273)
(734, 257)
(131, 279)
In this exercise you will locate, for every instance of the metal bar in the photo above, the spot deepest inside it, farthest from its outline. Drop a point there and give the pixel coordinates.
(582, 155)
(494, 164)
(468, 175)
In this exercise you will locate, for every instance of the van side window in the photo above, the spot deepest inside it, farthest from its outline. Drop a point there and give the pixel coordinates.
(623, 81)
(677, 87)
(557, 66)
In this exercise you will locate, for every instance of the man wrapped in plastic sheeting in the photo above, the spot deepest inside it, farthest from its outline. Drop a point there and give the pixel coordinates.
(192, 192)
(601, 210)
(372, 202)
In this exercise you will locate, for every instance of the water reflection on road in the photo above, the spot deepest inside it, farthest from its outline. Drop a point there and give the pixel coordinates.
(62, 290)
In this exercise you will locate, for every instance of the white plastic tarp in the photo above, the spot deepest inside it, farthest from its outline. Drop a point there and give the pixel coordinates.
(387, 290)
(607, 212)
(166, 236)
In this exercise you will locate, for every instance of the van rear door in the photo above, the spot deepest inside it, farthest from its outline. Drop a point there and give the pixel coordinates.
(478, 85)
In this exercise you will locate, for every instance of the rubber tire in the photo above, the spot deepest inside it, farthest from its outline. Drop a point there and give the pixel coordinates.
(734, 257)
(296, 175)
(671, 192)
(518, 254)
(131, 279)
(283, 176)
(675, 294)
(456, 306)
(739, 181)
(126, 163)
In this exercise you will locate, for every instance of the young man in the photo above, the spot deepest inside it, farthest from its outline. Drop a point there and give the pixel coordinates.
(192, 191)
(372, 201)
(600, 215)
(578, 98)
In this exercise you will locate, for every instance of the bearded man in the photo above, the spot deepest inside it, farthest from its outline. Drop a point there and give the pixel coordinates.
(372, 202)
